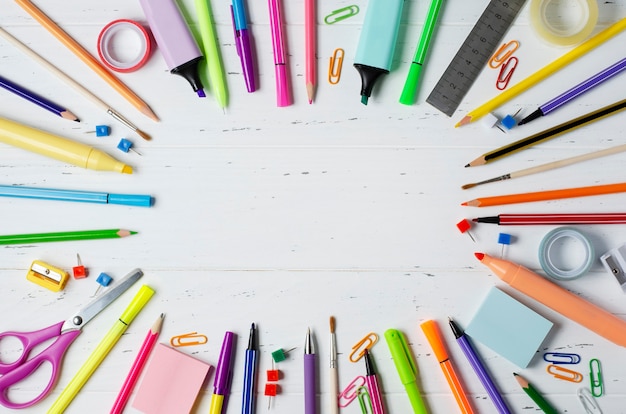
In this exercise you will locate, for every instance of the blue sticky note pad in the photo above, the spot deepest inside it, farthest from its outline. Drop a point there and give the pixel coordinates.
(508, 327)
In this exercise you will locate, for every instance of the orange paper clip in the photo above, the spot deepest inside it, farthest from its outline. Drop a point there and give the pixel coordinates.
(506, 71)
(188, 339)
(559, 372)
(367, 342)
(502, 54)
(334, 68)
(349, 394)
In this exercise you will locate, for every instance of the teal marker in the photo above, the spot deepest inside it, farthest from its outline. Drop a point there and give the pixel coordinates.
(410, 86)
(377, 42)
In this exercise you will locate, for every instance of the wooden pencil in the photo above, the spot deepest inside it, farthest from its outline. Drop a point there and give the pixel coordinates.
(548, 134)
(547, 195)
(64, 236)
(551, 165)
(71, 82)
(86, 57)
(534, 394)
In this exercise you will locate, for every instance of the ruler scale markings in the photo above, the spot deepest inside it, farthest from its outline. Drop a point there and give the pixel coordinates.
(473, 54)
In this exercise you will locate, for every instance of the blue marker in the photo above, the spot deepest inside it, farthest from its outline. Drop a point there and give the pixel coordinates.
(377, 42)
(138, 200)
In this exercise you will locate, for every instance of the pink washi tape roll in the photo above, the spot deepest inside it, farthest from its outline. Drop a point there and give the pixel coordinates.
(120, 37)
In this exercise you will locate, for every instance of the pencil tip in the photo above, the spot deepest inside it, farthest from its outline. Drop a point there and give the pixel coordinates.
(464, 203)
(148, 112)
(466, 120)
(467, 165)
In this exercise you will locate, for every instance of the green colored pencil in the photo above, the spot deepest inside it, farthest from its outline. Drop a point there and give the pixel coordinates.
(534, 394)
(64, 236)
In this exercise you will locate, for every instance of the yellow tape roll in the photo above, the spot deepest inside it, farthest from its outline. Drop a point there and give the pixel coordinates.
(547, 18)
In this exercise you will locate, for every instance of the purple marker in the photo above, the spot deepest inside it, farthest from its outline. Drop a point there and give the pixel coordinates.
(577, 90)
(309, 375)
(223, 371)
(243, 43)
(175, 41)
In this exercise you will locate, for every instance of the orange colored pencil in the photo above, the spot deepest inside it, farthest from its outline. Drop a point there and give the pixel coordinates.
(86, 57)
(547, 195)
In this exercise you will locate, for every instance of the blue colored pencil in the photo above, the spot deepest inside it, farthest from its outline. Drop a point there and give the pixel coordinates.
(37, 99)
(576, 91)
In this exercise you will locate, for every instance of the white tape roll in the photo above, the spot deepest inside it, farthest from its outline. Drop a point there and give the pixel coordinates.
(555, 20)
(549, 253)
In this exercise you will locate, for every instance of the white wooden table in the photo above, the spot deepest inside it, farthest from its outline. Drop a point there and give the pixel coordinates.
(286, 216)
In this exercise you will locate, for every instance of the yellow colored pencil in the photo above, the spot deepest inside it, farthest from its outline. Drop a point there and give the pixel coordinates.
(544, 72)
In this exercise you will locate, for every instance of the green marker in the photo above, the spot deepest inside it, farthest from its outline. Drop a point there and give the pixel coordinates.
(410, 86)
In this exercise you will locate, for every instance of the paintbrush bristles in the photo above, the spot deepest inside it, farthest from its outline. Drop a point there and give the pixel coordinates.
(332, 324)
(143, 135)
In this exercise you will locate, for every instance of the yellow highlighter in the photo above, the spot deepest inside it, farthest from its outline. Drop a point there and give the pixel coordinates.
(62, 149)
(97, 356)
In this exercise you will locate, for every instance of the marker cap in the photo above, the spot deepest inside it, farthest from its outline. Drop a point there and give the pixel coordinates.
(137, 200)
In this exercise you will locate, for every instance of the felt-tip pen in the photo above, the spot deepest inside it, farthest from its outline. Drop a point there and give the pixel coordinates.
(374, 53)
(175, 41)
(243, 43)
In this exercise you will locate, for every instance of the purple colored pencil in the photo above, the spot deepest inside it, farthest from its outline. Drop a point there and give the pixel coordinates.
(37, 99)
(309, 376)
(576, 91)
(479, 369)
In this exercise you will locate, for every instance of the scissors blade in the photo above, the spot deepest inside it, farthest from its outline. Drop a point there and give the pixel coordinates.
(84, 315)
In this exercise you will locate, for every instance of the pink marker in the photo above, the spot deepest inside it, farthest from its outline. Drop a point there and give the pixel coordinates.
(177, 45)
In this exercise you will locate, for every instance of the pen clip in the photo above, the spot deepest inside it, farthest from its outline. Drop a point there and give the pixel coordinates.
(235, 31)
(396, 339)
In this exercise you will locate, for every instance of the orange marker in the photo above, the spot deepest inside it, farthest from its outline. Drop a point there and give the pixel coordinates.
(558, 299)
(433, 334)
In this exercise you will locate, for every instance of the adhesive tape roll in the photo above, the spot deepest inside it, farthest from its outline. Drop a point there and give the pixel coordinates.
(555, 31)
(108, 51)
(548, 254)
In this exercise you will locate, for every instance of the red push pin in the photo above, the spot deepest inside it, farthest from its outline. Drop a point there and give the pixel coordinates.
(273, 375)
(464, 226)
(271, 390)
(79, 271)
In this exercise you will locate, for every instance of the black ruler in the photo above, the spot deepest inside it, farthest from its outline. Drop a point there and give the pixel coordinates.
(472, 57)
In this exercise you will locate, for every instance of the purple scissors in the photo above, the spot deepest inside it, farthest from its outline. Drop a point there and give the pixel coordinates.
(65, 333)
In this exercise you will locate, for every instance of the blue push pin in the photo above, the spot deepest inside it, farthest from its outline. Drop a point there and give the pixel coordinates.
(125, 145)
(103, 130)
(103, 280)
(504, 239)
(509, 121)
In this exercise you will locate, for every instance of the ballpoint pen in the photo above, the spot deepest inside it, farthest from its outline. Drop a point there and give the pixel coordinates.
(334, 377)
(372, 385)
(407, 369)
(283, 94)
(221, 384)
(479, 368)
(249, 374)
(310, 406)
(243, 43)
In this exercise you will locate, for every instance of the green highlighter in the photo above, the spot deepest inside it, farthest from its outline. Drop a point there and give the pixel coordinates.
(407, 369)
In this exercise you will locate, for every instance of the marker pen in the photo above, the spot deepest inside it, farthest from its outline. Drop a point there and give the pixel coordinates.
(175, 41)
(377, 42)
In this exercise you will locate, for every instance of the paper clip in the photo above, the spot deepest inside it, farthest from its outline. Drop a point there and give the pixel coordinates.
(561, 358)
(502, 54)
(365, 401)
(184, 340)
(368, 340)
(563, 373)
(595, 378)
(506, 72)
(341, 14)
(350, 392)
(334, 67)
(588, 402)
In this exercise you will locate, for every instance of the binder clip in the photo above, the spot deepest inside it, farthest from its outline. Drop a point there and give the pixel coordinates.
(615, 263)
(559, 372)
(367, 342)
(47, 276)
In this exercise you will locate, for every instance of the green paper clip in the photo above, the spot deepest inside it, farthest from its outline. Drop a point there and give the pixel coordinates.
(341, 14)
(595, 378)
(364, 400)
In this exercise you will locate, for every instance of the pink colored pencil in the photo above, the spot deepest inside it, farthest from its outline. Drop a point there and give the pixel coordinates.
(309, 46)
(135, 370)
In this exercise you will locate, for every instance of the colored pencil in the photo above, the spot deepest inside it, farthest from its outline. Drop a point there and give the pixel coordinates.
(576, 91)
(544, 72)
(548, 134)
(552, 165)
(71, 82)
(554, 219)
(534, 394)
(310, 48)
(86, 57)
(64, 236)
(137, 367)
(547, 195)
(37, 99)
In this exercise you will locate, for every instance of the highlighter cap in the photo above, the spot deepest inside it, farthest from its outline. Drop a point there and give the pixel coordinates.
(433, 334)
(136, 305)
(380, 31)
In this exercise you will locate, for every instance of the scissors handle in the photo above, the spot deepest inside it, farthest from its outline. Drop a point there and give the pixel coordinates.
(20, 370)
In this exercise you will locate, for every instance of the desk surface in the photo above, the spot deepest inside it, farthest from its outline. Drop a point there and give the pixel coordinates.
(286, 216)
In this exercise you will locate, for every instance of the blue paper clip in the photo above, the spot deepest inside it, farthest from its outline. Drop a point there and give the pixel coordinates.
(365, 401)
(341, 14)
(595, 378)
(561, 358)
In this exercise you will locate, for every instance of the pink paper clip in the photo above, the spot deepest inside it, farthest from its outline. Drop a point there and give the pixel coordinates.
(506, 71)
(564, 374)
(349, 394)
(503, 53)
